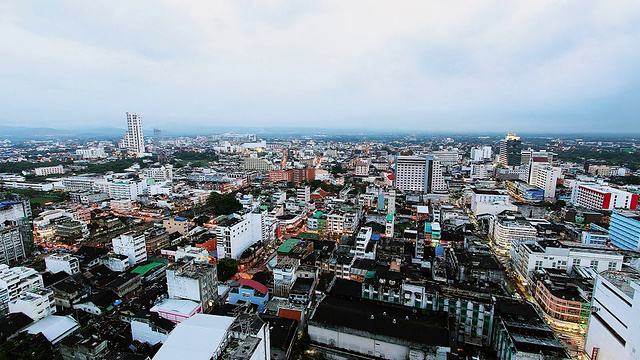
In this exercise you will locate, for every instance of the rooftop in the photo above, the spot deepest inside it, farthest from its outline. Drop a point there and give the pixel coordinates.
(377, 319)
(196, 338)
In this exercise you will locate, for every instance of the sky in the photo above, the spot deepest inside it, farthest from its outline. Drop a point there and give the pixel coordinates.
(460, 66)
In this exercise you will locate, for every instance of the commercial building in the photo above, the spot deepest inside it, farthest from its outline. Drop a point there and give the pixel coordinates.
(510, 150)
(133, 139)
(132, 245)
(178, 223)
(519, 332)
(505, 229)
(418, 173)
(91, 153)
(16, 240)
(529, 256)
(624, 230)
(599, 197)
(544, 177)
(615, 315)
(488, 196)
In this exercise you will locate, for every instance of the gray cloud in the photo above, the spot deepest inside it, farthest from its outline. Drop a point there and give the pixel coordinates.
(452, 65)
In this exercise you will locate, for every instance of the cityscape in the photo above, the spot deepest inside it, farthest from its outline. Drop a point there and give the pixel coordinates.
(330, 180)
(234, 246)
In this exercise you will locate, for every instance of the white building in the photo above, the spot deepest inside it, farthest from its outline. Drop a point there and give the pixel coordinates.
(193, 281)
(133, 140)
(36, 304)
(362, 241)
(476, 155)
(446, 158)
(600, 197)
(545, 177)
(417, 173)
(237, 233)
(56, 263)
(12, 244)
(206, 337)
(49, 170)
(528, 256)
(486, 152)
(150, 328)
(614, 324)
(92, 153)
(131, 245)
(503, 230)
(480, 171)
(488, 196)
(159, 174)
(15, 281)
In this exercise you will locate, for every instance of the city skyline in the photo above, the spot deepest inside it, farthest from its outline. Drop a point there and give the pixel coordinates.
(422, 66)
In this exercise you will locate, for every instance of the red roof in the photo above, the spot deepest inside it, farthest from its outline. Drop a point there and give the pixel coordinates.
(391, 177)
(254, 284)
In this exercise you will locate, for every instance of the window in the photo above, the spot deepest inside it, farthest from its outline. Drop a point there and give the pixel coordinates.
(612, 265)
(576, 262)
(594, 264)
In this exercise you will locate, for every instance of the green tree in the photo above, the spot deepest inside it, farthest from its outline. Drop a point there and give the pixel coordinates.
(201, 220)
(227, 267)
(223, 204)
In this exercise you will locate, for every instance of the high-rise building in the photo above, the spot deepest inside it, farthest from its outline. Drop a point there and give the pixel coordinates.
(545, 177)
(133, 139)
(418, 173)
(510, 150)
(624, 230)
(477, 154)
(16, 240)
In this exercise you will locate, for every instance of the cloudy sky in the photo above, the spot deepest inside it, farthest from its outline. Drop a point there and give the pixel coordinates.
(424, 65)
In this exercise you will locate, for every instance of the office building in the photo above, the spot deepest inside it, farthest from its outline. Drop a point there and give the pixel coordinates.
(544, 177)
(624, 230)
(599, 197)
(510, 150)
(419, 173)
(133, 139)
(505, 229)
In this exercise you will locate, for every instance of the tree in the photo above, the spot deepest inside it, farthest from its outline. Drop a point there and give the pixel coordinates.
(223, 204)
(201, 220)
(227, 267)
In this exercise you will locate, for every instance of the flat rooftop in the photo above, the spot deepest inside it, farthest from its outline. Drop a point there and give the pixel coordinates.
(377, 319)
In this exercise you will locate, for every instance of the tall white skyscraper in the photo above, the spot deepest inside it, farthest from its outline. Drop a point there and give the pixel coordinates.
(133, 139)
